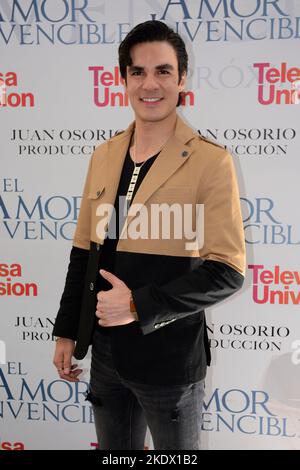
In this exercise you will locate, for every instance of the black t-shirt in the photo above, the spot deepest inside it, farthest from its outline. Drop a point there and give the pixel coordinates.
(107, 256)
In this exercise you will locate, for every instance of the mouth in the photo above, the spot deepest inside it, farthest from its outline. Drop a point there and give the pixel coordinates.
(151, 101)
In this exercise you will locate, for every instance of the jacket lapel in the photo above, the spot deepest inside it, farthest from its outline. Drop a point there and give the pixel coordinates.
(174, 154)
(117, 149)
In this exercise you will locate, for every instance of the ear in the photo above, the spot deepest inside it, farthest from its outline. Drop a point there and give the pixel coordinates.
(182, 82)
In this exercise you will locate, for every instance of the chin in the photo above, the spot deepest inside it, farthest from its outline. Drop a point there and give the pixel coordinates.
(153, 118)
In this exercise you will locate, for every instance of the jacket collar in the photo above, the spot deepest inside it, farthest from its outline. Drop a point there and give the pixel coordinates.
(174, 154)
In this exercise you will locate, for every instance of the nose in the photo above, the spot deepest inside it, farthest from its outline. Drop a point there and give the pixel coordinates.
(150, 82)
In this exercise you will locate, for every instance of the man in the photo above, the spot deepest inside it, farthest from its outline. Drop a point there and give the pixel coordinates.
(144, 311)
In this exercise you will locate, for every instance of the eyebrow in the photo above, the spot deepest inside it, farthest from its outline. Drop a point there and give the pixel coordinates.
(137, 68)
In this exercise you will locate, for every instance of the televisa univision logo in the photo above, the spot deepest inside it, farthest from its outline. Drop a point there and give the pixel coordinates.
(12, 284)
(278, 85)
(10, 97)
(275, 286)
(9, 445)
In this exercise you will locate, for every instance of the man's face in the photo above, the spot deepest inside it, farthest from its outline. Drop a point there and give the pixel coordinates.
(152, 81)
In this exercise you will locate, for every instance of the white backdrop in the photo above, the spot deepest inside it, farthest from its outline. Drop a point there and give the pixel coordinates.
(243, 91)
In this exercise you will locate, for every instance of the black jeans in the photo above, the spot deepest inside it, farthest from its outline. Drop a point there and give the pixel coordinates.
(123, 409)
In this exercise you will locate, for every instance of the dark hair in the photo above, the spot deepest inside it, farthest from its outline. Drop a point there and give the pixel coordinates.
(150, 31)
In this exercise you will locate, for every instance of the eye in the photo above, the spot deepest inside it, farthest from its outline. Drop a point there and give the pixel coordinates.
(136, 73)
(164, 72)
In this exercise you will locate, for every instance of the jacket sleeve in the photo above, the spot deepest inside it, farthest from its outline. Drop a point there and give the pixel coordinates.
(159, 305)
(222, 253)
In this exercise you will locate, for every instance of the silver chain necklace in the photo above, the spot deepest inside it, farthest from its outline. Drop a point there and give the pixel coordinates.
(136, 172)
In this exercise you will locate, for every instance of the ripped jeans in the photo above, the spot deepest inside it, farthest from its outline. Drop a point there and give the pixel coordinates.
(123, 409)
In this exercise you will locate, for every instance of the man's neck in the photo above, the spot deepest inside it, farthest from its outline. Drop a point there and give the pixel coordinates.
(150, 136)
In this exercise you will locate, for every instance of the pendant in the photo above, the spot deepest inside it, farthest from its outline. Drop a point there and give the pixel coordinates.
(132, 183)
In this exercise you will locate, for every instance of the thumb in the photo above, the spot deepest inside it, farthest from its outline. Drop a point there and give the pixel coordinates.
(67, 364)
(110, 277)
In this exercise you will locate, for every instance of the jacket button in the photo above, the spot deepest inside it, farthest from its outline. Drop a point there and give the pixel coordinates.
(91, 286)
(184, 153)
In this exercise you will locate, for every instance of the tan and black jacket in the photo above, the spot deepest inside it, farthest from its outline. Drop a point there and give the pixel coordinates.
(172, 281)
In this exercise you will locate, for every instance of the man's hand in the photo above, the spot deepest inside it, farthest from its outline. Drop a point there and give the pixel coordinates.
(113, 306)
(63, 360)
